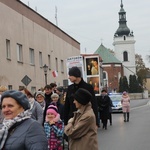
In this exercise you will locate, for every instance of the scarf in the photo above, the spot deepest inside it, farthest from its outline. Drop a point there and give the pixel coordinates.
(31, 101)
(42, 105)
(7, 124)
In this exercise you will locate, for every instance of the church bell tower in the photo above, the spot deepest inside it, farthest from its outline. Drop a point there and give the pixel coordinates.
(124, 44)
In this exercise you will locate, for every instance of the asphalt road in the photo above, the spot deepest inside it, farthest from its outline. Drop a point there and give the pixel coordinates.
(133, 135)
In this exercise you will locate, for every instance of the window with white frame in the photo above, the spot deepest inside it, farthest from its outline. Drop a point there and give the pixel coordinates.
(125, 56)
(56, 62)
(8, 52)
(33, 89)
(19, 53)
(62, 66)
(31, 54)
(40, 59)
(49, 61)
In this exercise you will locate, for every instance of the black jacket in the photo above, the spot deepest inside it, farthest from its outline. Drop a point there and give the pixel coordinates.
(69, 106)
(103, 105)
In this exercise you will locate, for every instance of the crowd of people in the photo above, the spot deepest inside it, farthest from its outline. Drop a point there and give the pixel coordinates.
(53, 116)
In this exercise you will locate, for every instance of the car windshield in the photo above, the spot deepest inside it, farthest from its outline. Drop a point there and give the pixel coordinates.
(115, 97)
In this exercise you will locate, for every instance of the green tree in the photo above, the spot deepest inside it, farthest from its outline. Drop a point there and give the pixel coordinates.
(123, 84)
(135, 84)
(141, 70)
(140, 85)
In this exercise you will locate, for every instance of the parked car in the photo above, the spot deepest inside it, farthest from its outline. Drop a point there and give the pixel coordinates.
(116, 100)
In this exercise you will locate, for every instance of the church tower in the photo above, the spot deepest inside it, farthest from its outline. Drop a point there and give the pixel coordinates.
(124, 45)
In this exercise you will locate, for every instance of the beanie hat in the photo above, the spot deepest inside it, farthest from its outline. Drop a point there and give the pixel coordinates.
(18, 96)
(124, 93)
(82, 96)
(40, 93)
(74, 71)
(52, 109)
(54, 95)
(60, 89)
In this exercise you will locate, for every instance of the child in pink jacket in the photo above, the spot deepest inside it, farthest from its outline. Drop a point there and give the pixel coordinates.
(54, 128)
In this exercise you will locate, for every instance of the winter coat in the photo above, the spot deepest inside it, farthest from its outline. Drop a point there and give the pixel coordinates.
(29, 135)
(54, 135)
(1, 116)
(82, 130)
(104, 103)
(60, 110)
(69, 106)
(37, 112)
(125, 101)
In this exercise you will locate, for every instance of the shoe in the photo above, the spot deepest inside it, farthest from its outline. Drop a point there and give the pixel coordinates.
(110, 124)
(125, 121)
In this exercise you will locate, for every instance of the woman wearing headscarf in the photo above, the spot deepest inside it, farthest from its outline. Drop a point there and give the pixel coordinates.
(18, 130)
(40, 98)
(81, 129)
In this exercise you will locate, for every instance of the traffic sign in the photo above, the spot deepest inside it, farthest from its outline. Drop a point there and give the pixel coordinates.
(26, 80)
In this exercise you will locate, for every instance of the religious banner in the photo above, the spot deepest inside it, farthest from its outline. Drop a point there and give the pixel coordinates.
(75, 61)
(92, 71)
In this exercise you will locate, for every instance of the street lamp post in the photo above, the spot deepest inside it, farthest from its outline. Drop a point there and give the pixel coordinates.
(45, 67)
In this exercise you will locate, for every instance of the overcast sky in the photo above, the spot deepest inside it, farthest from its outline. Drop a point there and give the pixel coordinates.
(91, 22)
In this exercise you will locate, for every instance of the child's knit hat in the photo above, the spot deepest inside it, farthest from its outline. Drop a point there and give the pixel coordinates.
(52, 109)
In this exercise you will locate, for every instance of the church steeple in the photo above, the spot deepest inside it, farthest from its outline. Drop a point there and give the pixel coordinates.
(123, 29)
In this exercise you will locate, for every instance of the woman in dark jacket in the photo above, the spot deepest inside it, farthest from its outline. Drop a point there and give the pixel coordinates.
(103, 105)
(18, 130)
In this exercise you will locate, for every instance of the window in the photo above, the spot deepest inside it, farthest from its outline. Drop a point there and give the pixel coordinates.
(8, 54)
(49, 61)
(19, 53)
(40, 59)
(10, 87)
(124, 37)
(119, 76)
(62, 66)
(125, 56)
(104, 75)
(31, 53)
(105, 78)
(21, 87)
(33, 89)
(56, 62)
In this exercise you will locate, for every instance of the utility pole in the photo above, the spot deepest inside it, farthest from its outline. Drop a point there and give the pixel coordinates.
(56, 15)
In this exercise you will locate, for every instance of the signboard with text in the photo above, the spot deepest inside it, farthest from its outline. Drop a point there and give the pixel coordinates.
(75, 61)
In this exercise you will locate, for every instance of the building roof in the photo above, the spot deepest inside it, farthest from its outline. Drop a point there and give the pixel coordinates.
(106, 55)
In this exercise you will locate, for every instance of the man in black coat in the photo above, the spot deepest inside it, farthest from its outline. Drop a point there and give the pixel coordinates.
(104, 104)
(78, 82)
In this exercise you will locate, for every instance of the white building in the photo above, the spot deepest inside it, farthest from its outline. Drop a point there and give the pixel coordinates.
(27, 42)
(124, 45)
